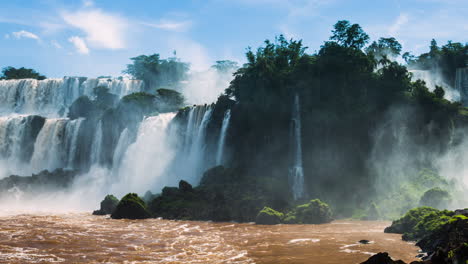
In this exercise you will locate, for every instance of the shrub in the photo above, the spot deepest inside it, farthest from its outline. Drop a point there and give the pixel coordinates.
(268, 216)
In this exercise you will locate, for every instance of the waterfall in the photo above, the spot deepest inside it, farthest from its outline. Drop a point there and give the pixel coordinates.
(49, 146)
(146, 160)
(222, 137)
(461, 84)
(52, 97)
(196, 155)
(96, 147)
(73, 127)
(56, 145)
(296, 172)
(432, 79)
(125, 139)
(17, 136)
(189, 130)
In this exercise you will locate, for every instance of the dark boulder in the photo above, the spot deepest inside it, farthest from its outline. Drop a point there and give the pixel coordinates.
(185, 186)
(382, 258)
(131, 207)
(313, 212)
(268, 216)
(108, 205)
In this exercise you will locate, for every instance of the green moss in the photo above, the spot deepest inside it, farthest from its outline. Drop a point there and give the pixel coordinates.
(409, 220)
(131, 207)
(268, 216)
(313, 212)
(108, 205)
(429, 223)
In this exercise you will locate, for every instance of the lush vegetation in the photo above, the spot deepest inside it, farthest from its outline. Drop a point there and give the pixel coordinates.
(349, 92)
(11, 73)
(442, 60)
(443, 235)
(157, 72)
(268, 216)
(346, 91)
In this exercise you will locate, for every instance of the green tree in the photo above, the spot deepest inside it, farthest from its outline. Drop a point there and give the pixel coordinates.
(156, 72)
(385, 47)
(10, 73)
(349, 35)
(439, 92)
(169, 100)
(225, 66)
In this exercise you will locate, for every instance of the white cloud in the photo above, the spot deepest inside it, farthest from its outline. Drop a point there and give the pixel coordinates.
(168, 25)
(103, 30)
(88, 3)
(79, 44)
(402, 20)
(25, 34)
(55, 44)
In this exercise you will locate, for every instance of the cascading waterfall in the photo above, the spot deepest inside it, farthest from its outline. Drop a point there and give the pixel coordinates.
(52, 97)
(125, 139)
(71, 145)
(17, 136)
(189, 130)
(49, 151)
(197, 149)
(461, 84)
(222, 137)
(192, 152)
(145, 161)
(97, 145)
(296, 172)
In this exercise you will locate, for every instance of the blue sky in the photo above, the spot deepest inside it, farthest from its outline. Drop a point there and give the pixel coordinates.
(97, 37)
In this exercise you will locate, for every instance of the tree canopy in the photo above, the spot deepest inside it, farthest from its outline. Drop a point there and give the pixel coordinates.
(157, 72)
(10, 73)
(349, 35)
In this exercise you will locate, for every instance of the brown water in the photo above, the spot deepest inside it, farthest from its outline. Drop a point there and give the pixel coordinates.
(83, 238)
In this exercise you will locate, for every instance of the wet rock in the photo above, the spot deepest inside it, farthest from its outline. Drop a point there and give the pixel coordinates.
(185, 186)
(382, 258)
(131, 207)
(108, 205)
(268, 216)
(313, 212)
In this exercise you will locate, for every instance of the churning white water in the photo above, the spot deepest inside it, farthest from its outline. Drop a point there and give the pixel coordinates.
(222, 137)
(145, 161)
(197, 147)
(296, 172)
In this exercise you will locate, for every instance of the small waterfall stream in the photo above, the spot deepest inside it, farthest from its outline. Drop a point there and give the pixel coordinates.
(222, 137)
(296, 173)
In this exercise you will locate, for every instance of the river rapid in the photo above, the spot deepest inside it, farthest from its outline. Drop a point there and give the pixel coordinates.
(84, 238)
